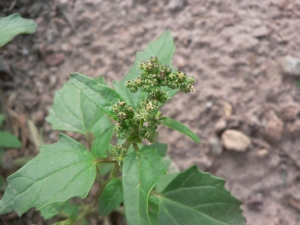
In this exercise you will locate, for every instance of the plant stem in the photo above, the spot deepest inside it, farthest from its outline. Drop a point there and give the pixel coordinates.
(136, 147)
(105, 160)
(113, 173)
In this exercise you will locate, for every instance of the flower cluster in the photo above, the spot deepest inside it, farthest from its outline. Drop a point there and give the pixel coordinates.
(141, 123)
(155, 75)
(138, 124)
(119, 152)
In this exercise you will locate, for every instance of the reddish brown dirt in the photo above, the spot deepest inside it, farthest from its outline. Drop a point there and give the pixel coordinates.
(231, 47)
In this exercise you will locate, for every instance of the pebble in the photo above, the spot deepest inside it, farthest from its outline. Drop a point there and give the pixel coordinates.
(235, 140)
(289, 65)
(215, 146)
(273, 129)
(176, 5)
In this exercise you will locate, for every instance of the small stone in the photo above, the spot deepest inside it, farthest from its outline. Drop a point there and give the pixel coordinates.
(260, 32)
(55, 59)
(290, 65)
(273, 129)
(289, 113)
(215, 146)
(262, 153)
(227, 109)
(176, 5)
(293, 129)
(220, 125)
(235, 140)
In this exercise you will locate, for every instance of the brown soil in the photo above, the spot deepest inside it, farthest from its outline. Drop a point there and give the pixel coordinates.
(231, 47)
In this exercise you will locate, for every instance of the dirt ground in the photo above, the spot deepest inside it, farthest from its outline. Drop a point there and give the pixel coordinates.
(234, 49)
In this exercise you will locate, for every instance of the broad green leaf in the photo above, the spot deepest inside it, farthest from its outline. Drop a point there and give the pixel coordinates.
(141, 170)
(181, 128)
(101, 142)
(8, 140)
(65, 209)
(163, 48)
(2, 118)
(102, 95)
(197, 198)
(164, 181)
(61, 171)
(73, 111)
(161, 148)
(13, 25)
(111, 197)
(153, 209)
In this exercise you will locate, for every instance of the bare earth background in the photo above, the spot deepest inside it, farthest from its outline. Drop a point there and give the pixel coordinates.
(233, 49)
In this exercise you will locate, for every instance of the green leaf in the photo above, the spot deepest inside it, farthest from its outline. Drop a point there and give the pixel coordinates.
(111, 197)
(163, 48)
(141, 170)
(102, 95)
(161, 148)
(61, 171)
(64, 222)
(101, 142)
(13, 25)
(194, 197)
(8, 140)
(181, 128)
(2, 118)
(73, 111)
(65, 209)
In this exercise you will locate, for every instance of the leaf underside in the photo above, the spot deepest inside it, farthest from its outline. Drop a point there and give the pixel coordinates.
(8, 140)
(61, 171)
(13, 25)
(101, 94)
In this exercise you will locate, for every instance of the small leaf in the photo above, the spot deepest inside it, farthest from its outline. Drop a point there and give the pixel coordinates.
(163, 48)
(102, 95)
(61, 171)
(73, 111)
(197, 198)
(161, 148)
(181, 128)
(13, 25)
(65, 209)
(8, 140)
(64, 222)
(101, 142)
(2, 118)
(141, 170)
(111, 197)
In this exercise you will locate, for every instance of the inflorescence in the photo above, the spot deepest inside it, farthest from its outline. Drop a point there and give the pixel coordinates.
(141, 123)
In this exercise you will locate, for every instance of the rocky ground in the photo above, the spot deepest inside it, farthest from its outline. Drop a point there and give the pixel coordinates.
(246, 107)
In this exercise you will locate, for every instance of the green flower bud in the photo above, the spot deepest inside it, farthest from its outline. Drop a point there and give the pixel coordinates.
(122, 115)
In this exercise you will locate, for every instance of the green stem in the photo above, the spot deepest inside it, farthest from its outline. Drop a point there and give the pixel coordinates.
(136, 147)
(113, 173)
(89, 138)
(105, 160)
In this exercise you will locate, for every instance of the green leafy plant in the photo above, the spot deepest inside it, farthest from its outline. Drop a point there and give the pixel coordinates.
(8, 140)
(139, 174)
(13, 25)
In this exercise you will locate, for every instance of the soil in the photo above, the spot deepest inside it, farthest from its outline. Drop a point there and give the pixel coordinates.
(232, 48)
